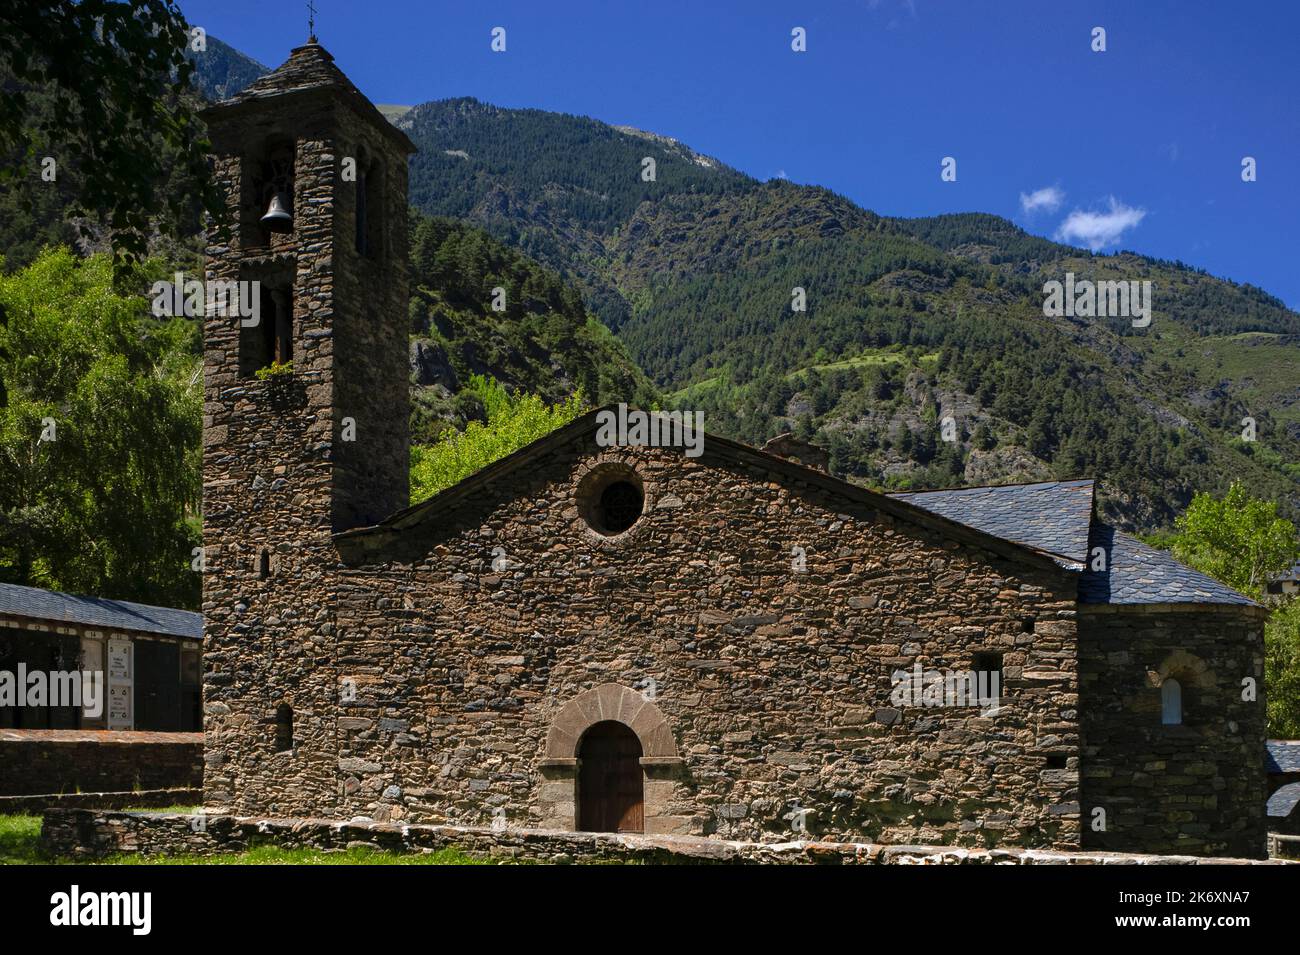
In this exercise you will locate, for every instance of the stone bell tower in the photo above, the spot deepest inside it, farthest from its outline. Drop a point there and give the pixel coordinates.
(305, 408)
(303, 143)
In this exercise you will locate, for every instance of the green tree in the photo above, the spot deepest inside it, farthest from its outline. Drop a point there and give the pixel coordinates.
(513, 422)
(1282, 670)
(1241, 541)
(100, 411)
(1238, 539)
(101, 86)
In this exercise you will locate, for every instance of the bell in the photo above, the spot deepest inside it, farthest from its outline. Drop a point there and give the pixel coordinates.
(277, 218)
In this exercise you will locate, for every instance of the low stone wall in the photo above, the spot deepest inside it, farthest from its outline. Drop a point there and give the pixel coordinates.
(86, 834)
(60, 762)
(136, 799)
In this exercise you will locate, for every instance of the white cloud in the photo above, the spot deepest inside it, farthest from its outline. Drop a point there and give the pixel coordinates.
(1048, 198)
(1096, 230)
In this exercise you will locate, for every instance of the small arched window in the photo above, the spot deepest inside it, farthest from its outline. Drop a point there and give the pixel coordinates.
(264, 564)
(283, 728)
(1171, 703)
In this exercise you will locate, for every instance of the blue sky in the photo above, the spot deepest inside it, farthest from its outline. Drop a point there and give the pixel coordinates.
(1139, 147)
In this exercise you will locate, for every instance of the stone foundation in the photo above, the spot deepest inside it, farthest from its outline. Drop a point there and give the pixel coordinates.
(85, 834)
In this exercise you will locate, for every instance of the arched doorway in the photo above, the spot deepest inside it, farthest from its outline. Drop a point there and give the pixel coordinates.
(560, 792)
(610, 791)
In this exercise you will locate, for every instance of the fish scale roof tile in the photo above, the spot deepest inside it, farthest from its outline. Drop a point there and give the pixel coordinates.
(1051, 516)
(1057, 516)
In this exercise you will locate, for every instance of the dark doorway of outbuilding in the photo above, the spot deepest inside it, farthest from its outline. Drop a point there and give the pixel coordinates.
(610, 793)
(158, 686)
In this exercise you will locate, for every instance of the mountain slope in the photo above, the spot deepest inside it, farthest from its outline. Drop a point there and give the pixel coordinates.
(221, 71)
(907, 322)
(541, 341)
(558, 187)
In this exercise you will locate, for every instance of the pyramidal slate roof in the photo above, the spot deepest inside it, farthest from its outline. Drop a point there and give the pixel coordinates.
(1057, 516)
(18, 601)
(310, 68)
(1053, 516)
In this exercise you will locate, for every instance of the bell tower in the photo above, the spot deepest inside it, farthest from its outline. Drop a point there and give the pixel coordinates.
(305, 405)
(315, 181)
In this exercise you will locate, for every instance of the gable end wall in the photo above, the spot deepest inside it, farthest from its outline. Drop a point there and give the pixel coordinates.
(775, 684)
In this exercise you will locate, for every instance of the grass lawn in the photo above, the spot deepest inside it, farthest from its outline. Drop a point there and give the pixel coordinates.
(19, 835)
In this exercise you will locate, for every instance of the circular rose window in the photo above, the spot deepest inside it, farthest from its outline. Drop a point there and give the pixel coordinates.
(611, 500)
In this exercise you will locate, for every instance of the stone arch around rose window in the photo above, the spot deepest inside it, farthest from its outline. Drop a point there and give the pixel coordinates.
(660, 762)
(615, 464)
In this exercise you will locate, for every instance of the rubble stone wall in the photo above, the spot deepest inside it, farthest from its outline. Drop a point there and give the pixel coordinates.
(1198, 787)
(86, 834)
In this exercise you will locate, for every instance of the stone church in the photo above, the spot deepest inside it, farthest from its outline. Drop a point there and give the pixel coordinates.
(630, 638)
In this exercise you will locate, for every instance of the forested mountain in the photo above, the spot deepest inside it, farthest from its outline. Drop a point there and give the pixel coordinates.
(907, 322)
(541, 340)
(558, 187)
(221, 71)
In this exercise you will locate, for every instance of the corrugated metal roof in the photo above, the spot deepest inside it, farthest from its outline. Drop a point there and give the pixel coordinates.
(17, 601)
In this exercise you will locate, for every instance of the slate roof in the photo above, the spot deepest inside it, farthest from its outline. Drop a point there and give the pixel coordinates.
(1053, 516)
(16, 601)
(1282, 802)
(1057, 516)
(1291, 573)
(309, 68)
(1283, 756)
(1138, 574)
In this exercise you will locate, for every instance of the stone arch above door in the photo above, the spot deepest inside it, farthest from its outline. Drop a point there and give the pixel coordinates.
(660, 762)
(609, 701)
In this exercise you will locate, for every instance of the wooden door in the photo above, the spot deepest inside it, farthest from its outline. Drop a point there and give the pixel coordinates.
(609, 780)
